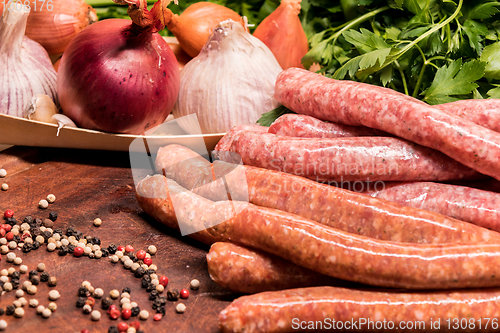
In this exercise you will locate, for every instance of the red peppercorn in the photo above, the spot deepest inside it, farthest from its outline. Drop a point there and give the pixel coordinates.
(24, 236)
(111, 308)
(114, 314)
(141, 254)
(6, 227)
(147, 261)
(9, 236)
(135, 324)
(184, 293)
(129, 248)
(8, 213)
(157, 317)
(126, 314)
(90, 301)
(85, 331)
(2, 232)
(121, 248)
(78, 252)
(164, 281)
(122, 327)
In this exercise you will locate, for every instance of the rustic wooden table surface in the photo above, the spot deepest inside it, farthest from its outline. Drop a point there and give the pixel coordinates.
(90, 184)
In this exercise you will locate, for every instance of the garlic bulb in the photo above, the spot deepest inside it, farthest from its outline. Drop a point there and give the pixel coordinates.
(231, 82)
(55, 28)
(25, 67)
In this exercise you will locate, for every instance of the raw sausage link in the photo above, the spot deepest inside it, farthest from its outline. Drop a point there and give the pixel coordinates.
(484, 112)
(289, 310)
(464, 203)
(359, 104)
(302, 126)
(323, 249)
(227, 140)
(346, 210)
(249, 271)
(347, 159)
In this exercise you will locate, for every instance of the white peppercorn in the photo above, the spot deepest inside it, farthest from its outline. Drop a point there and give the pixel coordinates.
(43, 204)
(114, 259)
(40, 239)
(3, 325)
(3, 173)
(33, 303)
(25, 226)
(11, 256)
(152, 250)
(19, 313)
(40, 309)
(5, 187)
(127, 306)
(195, 284)
(124, 258)
(54, 295)
(95, 247)
(87, 250)
(4, 249)
(57, 237)
(52, 307)
(11, 271)
(124, 300)
(95, 315)
(51, 247)
(144, 315)
(98, 293)
(180, 308)
(3, 241)
(119, 254)
(26, 284)
(125, 295)
(4, 272)
(51, 198)
(97, 222)
(4, 278)
(28, 240)
(19, 293)
(17, 303)
(155, 282)
(114, 294)
(128, 263)
(23, 301)
(15, 231)
(133, 304)
(18, 261)
(40, 267)
(65, 242)
(160, 288)
(46, 313)
(43, 228)
(12, 245)
(98, 254)
(51, 240)
(153, 276)
(7, 286)
(80, 244)
(153, 267)
(32, 290)
(134, 267)
(87, 309)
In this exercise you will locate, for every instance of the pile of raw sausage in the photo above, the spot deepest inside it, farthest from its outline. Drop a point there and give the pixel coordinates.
(310, 252)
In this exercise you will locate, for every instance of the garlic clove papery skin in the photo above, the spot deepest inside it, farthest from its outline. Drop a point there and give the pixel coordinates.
(231, 82)
(25, 67)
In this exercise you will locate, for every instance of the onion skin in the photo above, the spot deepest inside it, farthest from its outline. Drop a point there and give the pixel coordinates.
(54, 29)
(112, 80)
(182, 57)
(282, 32)
(195, 25)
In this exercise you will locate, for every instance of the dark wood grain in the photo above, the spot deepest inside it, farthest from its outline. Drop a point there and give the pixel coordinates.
(90, 184)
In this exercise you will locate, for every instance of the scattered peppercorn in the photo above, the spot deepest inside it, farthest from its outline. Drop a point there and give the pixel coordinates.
(48, 223)
(148, 261)
(53, 216)
(95, 315)
(180, 308)
(113, 329)
(46, 313)
(54, 295)
(52, 281)
(78, 252)
(80, 302)
(35, 280)
(150, 287)
(106, 303)
(40, 267)
(139, 273)
(83, 291)
(126, 314)
(43, 204)
(2, 311)
(114, 314)
(51, 198)
(184, 293)
(8, 213)
(63, 250)
(3, 173)
(135, 311)
(9, 311)
(173, 295)
(44, 277)
(5, 187)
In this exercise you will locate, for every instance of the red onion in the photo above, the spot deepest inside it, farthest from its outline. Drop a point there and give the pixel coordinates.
(120, 77)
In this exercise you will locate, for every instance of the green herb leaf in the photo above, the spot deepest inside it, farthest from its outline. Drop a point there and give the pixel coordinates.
(484, 10)
(490, 56)
(453, 80)
(269, 117)
(494, 93)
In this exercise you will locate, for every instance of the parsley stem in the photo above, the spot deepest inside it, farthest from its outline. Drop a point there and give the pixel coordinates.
(403, 77)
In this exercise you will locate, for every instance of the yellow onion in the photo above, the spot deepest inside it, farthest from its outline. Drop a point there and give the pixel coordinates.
(55, 28)
(282, 32)
(182, 57)
(195, 25)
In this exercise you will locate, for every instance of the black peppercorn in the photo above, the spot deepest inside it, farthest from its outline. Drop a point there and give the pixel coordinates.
(44, 277)
(2, 311)
(16, 275)
(132, 257)
(52, 281)
(70, 231)
(32, 273)
(112, 248)
(71, 248)
(83, 292)
(106, 303)
(36, 232)
(17, 239)
(104, 252)
(139, 331)
(35, 245)
(58, 231)
(11, 221)
(15, 284)
(150, 287)
(153, 295)
(63, 250)
(46, 235)
(135, 311)
(161, 309)
(95, 241)
(78, 235)
(9, 311)
(28, 219)
(80, 302)
(139, 272)
(150, 271)
(1, 284)
(27, 247)
(156, 304)
(162, 300)
(173, 295)
(126, 290)
(88, 238)
(38, 222)
(53, 216)
(113, 329)
(35, 280)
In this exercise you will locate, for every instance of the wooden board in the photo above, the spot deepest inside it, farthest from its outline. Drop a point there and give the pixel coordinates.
(90, 184)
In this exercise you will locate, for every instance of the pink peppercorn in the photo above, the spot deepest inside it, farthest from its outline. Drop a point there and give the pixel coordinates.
(147, 261)
(9, 236)
(157, 317)
(78, 252)
(184, 293)
(111, 307)
(141, 254)
(114, 314)
(8, 213)
(121, 248)
(126, 314)
(135, 324)
(122, 327)
(6, 227)
(164, 281)
(129, 248)
(85, 331)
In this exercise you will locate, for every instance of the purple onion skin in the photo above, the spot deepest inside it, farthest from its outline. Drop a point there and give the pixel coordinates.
(114, 81)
